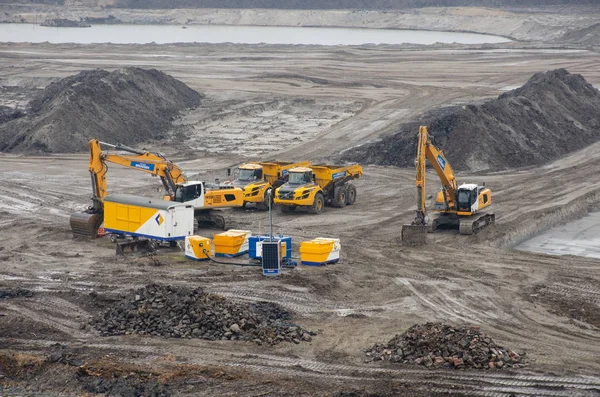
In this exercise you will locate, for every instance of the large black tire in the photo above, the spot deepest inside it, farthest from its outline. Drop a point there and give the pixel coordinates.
(264, 206)
(350, 194)
(339, 197)
(318, 204)
(287, 209)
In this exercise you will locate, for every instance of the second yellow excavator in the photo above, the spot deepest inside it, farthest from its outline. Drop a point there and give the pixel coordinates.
(456, 206)
(203, 196)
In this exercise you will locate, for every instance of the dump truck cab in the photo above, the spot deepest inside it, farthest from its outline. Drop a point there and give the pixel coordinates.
(316, 186)
(258, 180)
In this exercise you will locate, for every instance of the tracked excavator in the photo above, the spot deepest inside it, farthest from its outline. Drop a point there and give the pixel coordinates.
(203, 196)
(463, 207)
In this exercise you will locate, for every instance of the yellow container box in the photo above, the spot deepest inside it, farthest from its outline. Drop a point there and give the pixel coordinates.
(197, 248)
(232, 243)
(320, 251)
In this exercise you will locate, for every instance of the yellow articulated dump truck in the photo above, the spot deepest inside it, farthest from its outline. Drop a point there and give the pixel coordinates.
(258, 180)
(315, 186)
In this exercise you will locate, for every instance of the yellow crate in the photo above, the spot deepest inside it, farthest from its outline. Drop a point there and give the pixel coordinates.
(232, 243)
(320, 251)
(197, 248)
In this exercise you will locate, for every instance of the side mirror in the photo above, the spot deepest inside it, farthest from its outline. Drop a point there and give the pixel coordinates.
(429, 197)
(228, 171)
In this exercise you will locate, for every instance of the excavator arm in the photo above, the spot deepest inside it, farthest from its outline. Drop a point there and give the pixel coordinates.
(86, 224)
(414, 234)
(442, 168)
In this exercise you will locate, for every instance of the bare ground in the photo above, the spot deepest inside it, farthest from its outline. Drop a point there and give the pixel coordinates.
(377, 290)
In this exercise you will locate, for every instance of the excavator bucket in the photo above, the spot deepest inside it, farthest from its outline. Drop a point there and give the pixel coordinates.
(414, 235)
(85, 225)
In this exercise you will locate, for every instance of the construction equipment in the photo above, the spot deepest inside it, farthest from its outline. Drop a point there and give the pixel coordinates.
(202, 196)
(258, 180)
(456, 206)
(313, 187)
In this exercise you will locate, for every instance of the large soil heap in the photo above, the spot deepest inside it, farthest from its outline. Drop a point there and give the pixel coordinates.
(553, 114)
(130, 105)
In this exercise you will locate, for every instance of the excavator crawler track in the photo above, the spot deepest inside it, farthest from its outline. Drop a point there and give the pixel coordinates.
(475, 223)
(85, 225)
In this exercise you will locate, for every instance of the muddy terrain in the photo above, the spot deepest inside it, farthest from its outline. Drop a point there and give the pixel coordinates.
(57, 291)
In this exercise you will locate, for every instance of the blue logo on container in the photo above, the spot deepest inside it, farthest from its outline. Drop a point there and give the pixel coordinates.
(142, 166)
(441, 161)
(339, 175)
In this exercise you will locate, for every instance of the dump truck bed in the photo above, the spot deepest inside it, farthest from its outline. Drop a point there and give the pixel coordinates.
(273, 170)
(325, 173)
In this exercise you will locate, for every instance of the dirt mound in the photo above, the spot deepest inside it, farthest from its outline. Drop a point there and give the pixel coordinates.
(175, 312)
(130, 105)
(553, 114)
(586, 36)
(440, 345)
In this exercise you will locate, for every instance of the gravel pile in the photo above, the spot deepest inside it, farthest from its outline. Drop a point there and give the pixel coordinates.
(179, 312)
(15, 293)
(436, 345)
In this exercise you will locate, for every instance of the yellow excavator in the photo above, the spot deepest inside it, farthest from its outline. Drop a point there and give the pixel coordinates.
(203, 196)
(456, 206)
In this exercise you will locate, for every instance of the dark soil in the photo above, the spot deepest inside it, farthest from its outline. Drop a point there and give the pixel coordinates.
(8, 114)
(435, 345)
(15, 293)
(129, 106)
(553, 114)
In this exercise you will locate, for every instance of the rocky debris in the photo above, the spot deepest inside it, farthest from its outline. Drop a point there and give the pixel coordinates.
(553, 114)
(15, 293)
(129, 106)
(65, 23)
(179, 312)
(59, 354)
(436, 345)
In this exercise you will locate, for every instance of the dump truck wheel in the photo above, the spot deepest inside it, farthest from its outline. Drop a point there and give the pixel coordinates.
(318, 204)
(340, 196)
(265, 204)
(350, 194)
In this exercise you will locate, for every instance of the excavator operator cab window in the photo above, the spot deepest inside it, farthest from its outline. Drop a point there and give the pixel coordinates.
(250, 175)
(188, 193)
(465, 199)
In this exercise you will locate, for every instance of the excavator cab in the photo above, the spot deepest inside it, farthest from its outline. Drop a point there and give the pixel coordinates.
(467, 198)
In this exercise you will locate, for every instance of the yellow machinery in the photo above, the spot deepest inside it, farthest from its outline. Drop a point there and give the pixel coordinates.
(259, 179)
(320, 251)
(318, 185)
(456, 206)
(197, 248)
(203, 197)
(232, 243)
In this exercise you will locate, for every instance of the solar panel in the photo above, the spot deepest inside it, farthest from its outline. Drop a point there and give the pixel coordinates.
(271, 258)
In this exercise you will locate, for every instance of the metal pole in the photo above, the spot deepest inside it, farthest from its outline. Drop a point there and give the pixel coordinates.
(270, 216)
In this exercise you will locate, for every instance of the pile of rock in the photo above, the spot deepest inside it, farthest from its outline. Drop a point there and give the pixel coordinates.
(437, 345)
(179, 312)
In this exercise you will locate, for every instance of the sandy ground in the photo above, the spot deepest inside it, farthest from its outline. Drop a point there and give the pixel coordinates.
(379, 288)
